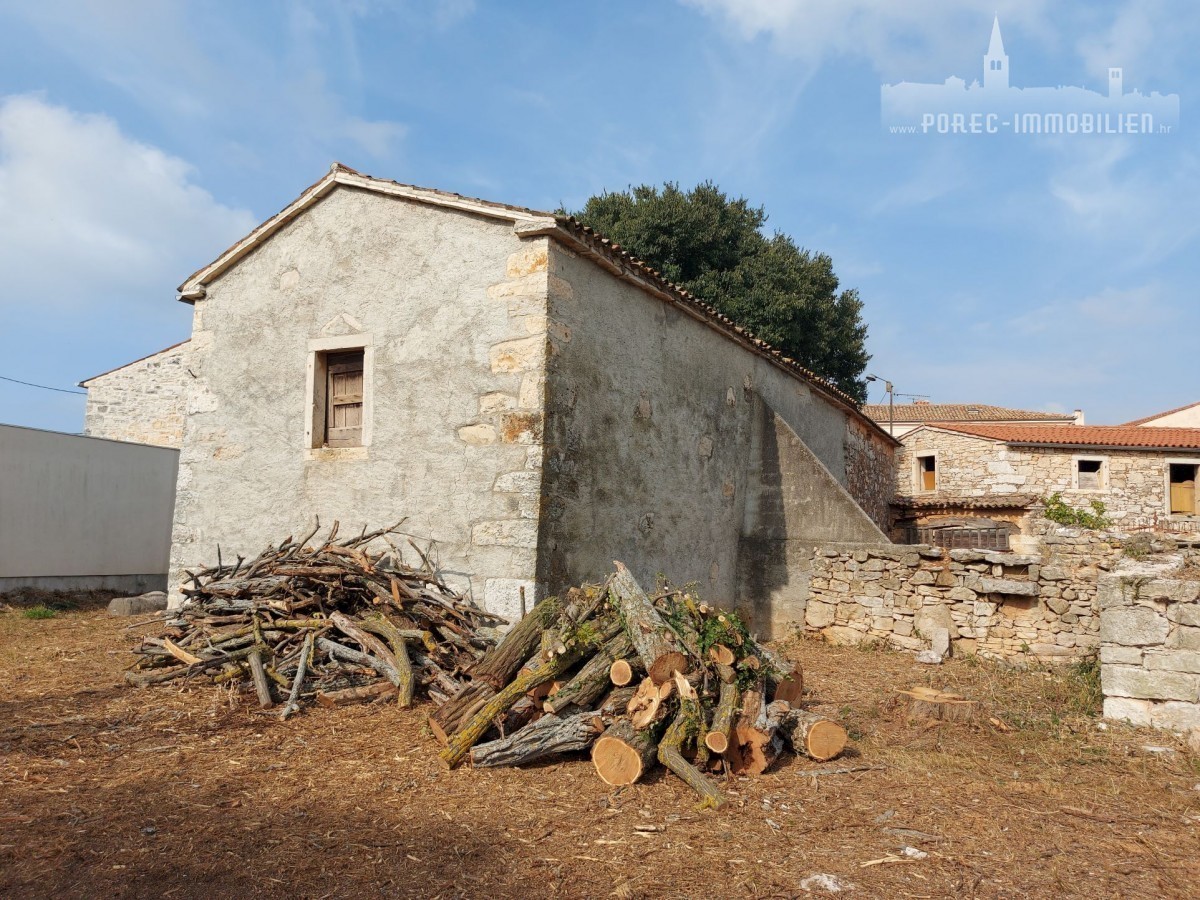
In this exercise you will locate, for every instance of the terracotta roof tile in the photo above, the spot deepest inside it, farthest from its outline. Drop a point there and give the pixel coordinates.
(944, 501)
(909, 413)
(1116, 436)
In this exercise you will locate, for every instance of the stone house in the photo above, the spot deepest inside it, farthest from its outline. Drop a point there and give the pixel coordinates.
(522, 392)
(141, 402)
(901, 418)
(1145, 477)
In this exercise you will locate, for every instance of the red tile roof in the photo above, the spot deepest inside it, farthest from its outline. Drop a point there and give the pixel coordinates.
(1169, 412)
(909, 413)
(1114, 436)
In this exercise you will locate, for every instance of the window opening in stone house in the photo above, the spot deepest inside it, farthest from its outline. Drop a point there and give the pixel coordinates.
(927, 472)
(1089, 474)
(344, 399)
(1183, 489)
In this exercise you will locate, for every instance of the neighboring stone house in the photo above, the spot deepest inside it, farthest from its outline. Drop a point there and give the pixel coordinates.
(142, 402)
(520, 391)
(905, 417)
(1146, 477)
(1180, 417)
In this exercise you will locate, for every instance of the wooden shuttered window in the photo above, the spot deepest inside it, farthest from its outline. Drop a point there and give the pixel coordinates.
(927, 472)
(344, 399)
(1183, 489)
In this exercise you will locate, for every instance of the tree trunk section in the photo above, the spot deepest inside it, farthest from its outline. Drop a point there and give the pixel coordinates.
(591, 681)
(812, 735)
(670, 755)
(446, 719)
(262, 686)
(717, 738)
(651, 636)
(501, 663)
(622, 755)
(756, 734)
(548, 736)
(382, 626)
(473, 729)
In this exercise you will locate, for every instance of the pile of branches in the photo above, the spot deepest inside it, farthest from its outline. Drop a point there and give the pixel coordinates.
(640, 681)
(335, 622)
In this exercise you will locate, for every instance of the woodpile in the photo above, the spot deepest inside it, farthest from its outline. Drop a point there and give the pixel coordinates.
(636, 680)
(640, 680)
(332, 623)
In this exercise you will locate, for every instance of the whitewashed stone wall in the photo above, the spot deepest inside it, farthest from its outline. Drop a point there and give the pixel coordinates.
(143, 402)
(1150, 650)
(978, 467)
(998, 605)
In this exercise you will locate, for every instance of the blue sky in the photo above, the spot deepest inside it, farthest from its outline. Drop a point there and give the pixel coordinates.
(138, 139)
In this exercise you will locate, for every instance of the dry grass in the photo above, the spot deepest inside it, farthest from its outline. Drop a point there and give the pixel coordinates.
(108, 791)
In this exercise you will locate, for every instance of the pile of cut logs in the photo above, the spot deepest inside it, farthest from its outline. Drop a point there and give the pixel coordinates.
(640, 680)
(333, 623)
(637, 679)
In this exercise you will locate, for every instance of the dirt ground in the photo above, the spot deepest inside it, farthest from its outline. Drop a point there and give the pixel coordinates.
(107, 791)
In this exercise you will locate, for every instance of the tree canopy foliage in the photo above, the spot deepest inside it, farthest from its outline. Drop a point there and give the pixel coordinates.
(715, 247)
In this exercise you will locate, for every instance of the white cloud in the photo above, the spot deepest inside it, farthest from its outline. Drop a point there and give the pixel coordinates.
(88, 214)
(1112, 311)
(901, 39)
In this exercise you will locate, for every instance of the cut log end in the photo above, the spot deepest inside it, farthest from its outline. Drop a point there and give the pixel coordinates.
(620, 672)
(623, 754)
(717, 742)
(665, 666)
(825, 740)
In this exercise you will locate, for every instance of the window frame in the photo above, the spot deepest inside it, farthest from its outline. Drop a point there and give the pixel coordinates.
(919, 471)
(317, 387)
(1180, 461)
(1101, 474)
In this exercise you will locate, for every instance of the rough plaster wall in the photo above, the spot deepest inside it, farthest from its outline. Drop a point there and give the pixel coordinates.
(142, 402)
(976, 467)
(650, 418)
(455, 307)
(1185, 418)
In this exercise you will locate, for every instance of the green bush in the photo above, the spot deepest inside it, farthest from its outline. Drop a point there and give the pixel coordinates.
(1058, 510)
(39, 612)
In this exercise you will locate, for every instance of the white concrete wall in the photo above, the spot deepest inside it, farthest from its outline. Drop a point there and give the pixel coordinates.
(83, 512)
(452, 306)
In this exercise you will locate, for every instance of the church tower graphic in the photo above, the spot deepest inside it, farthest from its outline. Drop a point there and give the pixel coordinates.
(995, 62)
(992, 105)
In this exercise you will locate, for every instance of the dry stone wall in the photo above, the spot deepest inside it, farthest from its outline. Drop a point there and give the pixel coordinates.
(870, 471)
(1150, 650)
(999, 605)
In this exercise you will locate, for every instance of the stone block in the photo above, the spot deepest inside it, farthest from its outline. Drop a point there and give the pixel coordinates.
(902, 627)
(1173, 661)
(968, 556)
(1184, 614)
(960, 595)
(141, 605)
(1110, 654)
(1053, 573)
(1008, 586)
(1124, 709)
(820, 615)
(520, 355)
(905, 642)
(478, 434)
(1050, 651)
(939, 641)
(1058, 606)
(1010, 559)
(1176, 716)
(930, 618)
(840, 635)
(520, 533)
(524, 482)
(1133, 626)
(922, 577)
(946, 579)
(1184, 639)
(1127, 681)
(928, 657)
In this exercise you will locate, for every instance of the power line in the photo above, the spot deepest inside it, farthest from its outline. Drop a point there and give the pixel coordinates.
(44, 387)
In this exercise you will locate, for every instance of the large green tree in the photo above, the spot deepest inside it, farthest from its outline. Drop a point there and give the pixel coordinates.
(715, 247)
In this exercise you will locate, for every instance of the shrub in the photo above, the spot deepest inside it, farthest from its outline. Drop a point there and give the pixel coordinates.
(1058, 510)
(39, 612)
